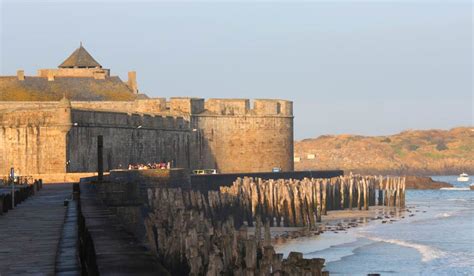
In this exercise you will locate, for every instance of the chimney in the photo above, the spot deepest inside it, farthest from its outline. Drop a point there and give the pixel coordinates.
(21, 75)
(132, 81)
(50, 76)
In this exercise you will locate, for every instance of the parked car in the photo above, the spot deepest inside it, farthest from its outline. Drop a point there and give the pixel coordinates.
(206, 171)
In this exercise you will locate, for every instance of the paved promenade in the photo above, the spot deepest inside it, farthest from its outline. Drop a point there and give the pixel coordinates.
(30, 233)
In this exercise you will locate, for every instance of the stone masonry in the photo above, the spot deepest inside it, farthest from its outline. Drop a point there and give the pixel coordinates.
(47, 125)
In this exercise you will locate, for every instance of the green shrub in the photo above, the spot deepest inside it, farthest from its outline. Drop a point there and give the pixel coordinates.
(413, 147)
(441, 146)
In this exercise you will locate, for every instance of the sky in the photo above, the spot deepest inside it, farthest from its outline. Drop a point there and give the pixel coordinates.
(358, 67)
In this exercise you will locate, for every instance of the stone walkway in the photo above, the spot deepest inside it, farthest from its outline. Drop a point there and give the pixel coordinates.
(30, 233)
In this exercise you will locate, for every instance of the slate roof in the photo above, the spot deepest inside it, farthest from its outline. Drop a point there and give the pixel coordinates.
(80, 58)
(76, 89)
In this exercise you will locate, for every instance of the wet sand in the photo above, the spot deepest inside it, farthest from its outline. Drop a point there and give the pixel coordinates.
(338, 222)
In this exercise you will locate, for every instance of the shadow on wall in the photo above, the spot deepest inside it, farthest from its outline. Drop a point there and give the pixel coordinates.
(123, 146)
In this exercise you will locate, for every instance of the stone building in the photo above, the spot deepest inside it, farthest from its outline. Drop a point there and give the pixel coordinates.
(49, 124)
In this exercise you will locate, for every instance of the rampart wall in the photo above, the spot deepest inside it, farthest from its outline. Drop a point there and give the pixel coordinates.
(238, 138)
(231, 135)
(53, 138)
(34, 140)
(152, 106)
(128, 139)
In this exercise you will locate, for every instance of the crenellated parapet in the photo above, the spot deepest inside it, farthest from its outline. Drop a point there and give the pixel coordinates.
(108, 119)
(177, 106)
(261, 107)
(57, 116)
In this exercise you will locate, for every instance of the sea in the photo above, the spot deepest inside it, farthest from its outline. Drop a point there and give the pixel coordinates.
(435, 238)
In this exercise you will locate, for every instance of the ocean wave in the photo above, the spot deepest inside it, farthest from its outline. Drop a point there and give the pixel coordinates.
(457, 199)
(336, 253)
(427, 253)
(332, 256)
(445, 215)
(456, 189)
(460, 260)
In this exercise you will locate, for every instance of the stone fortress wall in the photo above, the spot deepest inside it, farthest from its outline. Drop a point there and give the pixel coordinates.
(224, 134)
(40, 133)
(33, 140)
(245, 139)
(128, 139)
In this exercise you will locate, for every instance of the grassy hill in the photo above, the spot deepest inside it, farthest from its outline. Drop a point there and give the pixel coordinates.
(413, 152)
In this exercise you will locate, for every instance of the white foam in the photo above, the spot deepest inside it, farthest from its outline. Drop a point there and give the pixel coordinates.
(427, 253)
(455, 189)
(457, 199)
(444, 215)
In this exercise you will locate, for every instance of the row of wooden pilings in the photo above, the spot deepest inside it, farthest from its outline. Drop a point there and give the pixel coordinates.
(21, 193)
(291, 202)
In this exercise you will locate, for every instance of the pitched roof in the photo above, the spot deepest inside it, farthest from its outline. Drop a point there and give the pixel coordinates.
(75, 89)
(80, 58)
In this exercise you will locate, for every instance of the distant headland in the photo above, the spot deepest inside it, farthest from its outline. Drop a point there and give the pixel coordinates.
(411, 152)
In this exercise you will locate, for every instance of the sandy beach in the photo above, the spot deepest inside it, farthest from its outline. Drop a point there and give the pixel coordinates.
(338, 222)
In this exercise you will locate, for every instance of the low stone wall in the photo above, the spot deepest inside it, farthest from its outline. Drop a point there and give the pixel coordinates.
(22, 192)
(51, 178)
(155, 177)
(105, 247)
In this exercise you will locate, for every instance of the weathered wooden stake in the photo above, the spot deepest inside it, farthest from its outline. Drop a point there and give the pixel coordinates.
(351, 188)
(324, 194)
(358, 196)
(342, 193)
(319, 203)
(366, 194)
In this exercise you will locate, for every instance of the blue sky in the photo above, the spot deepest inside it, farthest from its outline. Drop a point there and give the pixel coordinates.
(362, 67)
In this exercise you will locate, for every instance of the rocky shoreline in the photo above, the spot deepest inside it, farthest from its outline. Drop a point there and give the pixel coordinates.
(425, 183)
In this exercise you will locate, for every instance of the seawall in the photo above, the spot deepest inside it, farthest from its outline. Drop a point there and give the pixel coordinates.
(166, 209)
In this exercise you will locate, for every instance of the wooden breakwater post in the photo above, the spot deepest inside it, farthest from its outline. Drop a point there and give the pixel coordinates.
(366, 194)
(318, 201)
(324, 197)
(343, 193)
(351, 190)
(214, 245)
(304, 202)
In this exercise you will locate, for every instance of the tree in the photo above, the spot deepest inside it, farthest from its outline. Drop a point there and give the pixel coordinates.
(441, 146)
